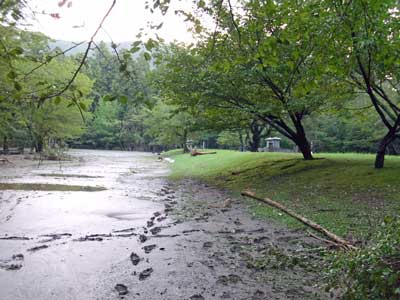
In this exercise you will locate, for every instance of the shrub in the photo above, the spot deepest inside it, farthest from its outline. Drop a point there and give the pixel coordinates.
(372, 272)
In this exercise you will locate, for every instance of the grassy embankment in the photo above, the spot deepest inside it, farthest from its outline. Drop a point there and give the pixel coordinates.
(342, 192)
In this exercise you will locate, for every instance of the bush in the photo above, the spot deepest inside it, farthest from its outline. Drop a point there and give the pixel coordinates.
(372, 272)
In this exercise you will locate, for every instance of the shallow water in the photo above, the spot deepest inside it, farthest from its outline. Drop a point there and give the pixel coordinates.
(68, 269)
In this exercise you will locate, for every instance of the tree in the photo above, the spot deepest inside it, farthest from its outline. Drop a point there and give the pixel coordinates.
(120, 91)
(26, 86)
(267, 60)
(369, 47)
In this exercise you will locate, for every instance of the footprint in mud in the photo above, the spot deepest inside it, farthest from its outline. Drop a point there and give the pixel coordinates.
(231, 278)
(258, 295)
(135, 259)
(207, 244)
(121, 289)
(196, 297)
(146, 273)
(155, 230)
(142, 238)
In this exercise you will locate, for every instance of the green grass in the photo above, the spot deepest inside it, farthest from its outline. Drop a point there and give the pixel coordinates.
(342, 192)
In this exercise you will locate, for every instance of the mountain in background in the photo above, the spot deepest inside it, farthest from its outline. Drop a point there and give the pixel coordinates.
(64, 45)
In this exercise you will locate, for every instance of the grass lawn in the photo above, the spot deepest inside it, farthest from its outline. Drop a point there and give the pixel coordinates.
(342, 192)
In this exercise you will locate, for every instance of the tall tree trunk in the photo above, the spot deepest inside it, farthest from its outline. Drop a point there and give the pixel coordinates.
(241, 141)
(302, 141)
(39, 145)
(305, 148)
(384, 143)
(184, 141)
(254, 141)
(5, 144)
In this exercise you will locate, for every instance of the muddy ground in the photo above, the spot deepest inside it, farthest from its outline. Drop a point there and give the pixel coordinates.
(126, 231)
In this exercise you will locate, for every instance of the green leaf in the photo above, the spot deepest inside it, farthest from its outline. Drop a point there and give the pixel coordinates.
(147, 56)
(109, 98)
(150, 44)
(123, 99)
(57, 100)
(122, 67)
(16, 51)
(136, 44)
(83, 106)
(12, 75)
(17, 86)
(134, 49)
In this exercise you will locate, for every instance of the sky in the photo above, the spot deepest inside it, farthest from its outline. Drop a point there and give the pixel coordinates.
(79, 21)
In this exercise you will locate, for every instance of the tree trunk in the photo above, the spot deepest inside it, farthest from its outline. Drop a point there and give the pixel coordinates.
(380, 153)
(241, 141)
(184, 142)
(302, 142)
(39, 145)
(5, 144)
(254, 141)
(305, 149)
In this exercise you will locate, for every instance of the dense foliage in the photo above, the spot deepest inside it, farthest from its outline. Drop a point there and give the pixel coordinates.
(374, 271)
(322, 75)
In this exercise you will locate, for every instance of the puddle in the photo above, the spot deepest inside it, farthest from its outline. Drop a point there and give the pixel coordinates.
(124, 216)
(49, 187)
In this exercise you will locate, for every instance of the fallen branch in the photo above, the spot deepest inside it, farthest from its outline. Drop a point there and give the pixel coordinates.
(5, 160)
(335, 238)
(195, 153)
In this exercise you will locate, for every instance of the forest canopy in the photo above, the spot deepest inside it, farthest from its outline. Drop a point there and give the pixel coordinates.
(321, 75)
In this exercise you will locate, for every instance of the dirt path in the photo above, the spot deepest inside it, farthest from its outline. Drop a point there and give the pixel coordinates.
(141, 238)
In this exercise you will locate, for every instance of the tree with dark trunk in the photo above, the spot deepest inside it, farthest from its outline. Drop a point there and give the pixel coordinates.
(370, 50)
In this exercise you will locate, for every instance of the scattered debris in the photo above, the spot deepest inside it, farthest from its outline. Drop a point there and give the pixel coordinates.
(34, 249)
(124, 230)
(170, 160)
(93, 238)
(13, 263)
(147, 249)
(15, 238)
(53, 237)
(196, 153)
(190, 231)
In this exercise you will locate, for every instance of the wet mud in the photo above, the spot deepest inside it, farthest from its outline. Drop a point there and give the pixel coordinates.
(143, 237)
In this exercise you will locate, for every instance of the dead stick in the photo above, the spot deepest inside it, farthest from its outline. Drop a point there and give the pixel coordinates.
(302, 219)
